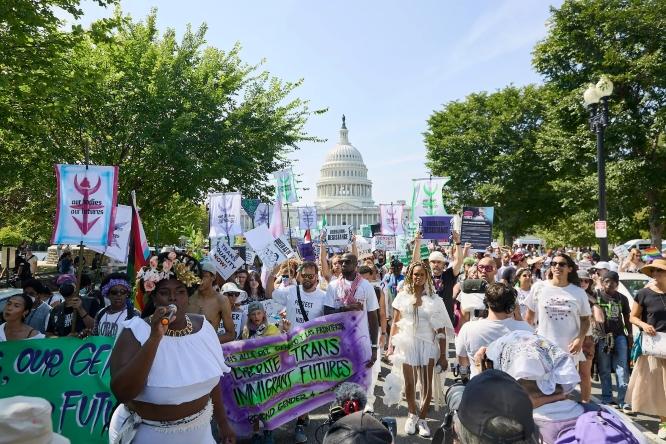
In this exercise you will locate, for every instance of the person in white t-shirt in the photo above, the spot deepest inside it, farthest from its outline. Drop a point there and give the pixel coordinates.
(312, 297)
(350, 292)
(560, 308)
(501, 302)
(109, 320)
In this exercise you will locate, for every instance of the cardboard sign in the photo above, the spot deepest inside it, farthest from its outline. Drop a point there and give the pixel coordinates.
(477, 227)
(600, 231)
(363, 247)
(339, 235)
(436, 227)
(226, 260)
(621, 251)
(383, 243)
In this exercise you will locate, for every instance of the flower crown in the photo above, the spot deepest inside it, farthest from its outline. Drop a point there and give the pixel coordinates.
(170, 266)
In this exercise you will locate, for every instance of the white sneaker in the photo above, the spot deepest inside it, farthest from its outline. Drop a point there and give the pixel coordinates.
(410, 424)
(424, 431)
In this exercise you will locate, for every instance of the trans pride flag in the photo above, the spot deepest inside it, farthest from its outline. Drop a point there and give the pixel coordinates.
(139, 253)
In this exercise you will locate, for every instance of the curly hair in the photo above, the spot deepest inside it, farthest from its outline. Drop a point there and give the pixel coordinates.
(409, 282)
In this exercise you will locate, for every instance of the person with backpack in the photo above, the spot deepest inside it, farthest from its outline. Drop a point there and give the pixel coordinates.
(108, 320)
(613, 348)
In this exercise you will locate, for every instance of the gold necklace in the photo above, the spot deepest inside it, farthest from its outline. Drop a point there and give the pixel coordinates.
(183, 331)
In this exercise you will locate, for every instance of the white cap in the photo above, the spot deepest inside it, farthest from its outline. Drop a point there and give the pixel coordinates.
(231, 287)
(26, 419)
(603, 265)
(437, 256)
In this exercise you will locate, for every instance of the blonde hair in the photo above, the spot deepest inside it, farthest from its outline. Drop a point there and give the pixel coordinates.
(409, 281)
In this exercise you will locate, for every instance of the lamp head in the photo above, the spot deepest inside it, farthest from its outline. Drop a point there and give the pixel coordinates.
(591, 95)
(604, 87)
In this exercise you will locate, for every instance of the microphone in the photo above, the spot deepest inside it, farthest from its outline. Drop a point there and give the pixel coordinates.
(172, 311)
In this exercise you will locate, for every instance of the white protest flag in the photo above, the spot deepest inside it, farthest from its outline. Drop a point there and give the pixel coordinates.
(427, 198)
(121, 233)
(285, 186)
(391, 219)
(307, 218)
(276, 226)
(262, 215)
(86, 205)
(225, 214)
(226, 259)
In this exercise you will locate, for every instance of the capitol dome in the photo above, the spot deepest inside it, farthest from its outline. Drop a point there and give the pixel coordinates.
(344, 176)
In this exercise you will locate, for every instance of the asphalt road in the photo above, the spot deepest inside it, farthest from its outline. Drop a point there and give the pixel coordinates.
(285, 433)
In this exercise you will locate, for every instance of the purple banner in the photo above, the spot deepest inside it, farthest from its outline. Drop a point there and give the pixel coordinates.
(279, 378)
(436, 227)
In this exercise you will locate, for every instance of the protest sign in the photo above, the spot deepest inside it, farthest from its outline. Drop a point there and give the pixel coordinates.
(120, 239)
(375, 229)
(307, 218)
(427, 198)
(225, 214)
(250, 206)
(477, 227)
(275, 253)
(72, 374)
(339, 235)
(365, 231)
(391, 219)
(306, 251)
(86, 204)
(259, 237)
(436, 227)
(226, 260)
(272, 310)
(262, 215)
(383, 243)
(363, 248)
(285, 186)
(278, 378)
(621, 251)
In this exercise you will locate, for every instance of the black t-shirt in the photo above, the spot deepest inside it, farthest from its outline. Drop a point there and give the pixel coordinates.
(654, 308)
(60, 320)
(444, 288)
(615, 307)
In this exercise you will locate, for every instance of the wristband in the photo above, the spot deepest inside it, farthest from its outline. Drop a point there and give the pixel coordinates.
(374, 346)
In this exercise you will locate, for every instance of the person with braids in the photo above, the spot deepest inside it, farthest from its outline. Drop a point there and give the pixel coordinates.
(166, 365)
(418, 342)
(560, 308)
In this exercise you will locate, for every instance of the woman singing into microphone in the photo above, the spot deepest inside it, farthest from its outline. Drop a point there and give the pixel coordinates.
(166, 365)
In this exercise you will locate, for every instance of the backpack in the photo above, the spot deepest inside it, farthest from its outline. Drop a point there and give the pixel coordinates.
(597, 427)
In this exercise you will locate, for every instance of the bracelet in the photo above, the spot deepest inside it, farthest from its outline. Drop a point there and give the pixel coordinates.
(85, 315)
(458, 243)
(374, 346)
(440, 336)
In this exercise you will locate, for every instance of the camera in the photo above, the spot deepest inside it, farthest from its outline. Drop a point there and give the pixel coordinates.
(445, 433)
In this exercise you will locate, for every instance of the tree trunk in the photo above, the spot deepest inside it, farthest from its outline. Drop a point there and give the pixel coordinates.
(655, 219)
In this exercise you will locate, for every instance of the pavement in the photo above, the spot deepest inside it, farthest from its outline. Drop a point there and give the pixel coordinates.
(317, 427)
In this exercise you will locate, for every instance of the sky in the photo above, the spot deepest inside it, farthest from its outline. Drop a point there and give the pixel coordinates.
(387, 65)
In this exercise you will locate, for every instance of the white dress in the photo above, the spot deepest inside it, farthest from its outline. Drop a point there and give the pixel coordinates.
(3, 336)
(415, 342)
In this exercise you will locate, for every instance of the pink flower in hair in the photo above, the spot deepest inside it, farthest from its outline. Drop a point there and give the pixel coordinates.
(149, 285)
(172, 256)
(153, 262)
(166, 265)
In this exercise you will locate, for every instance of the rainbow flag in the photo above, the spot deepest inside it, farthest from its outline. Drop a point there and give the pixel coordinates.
(650, 254)
(139, 253)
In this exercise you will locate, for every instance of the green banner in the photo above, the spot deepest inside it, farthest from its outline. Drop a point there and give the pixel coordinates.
(72, 374)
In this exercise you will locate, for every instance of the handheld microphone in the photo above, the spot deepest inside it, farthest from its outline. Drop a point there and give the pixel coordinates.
(172, 311)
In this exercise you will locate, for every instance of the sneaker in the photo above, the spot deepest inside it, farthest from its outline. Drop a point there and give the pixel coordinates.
(257, 439)
(424, 431)
(299, 434)
(661, 434)
(268, 437)
(410, 424)
(627, 410)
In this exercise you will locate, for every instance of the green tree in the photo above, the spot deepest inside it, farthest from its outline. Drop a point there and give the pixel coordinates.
(177, 117)
(625, 40)
(486, 144)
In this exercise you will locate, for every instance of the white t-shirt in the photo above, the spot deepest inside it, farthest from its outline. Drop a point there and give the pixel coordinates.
(558, 311)
(110, 323)
(365, 294)
(474, 335)
(313, 302)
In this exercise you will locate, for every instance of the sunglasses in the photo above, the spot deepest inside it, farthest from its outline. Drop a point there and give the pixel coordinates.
(485, 268)
(559, 264)
(307, 276)
(233, 295)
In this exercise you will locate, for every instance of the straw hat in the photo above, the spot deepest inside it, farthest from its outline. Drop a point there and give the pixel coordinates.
(26, 419)
(657, 264)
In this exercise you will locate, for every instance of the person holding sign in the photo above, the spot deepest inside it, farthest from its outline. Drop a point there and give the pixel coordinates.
(166, 367)
(213, 305)
(14, 314)
(418, 341)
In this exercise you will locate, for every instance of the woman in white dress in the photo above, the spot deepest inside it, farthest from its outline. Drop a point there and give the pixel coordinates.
(418, 342)
(15, 311)
(166, 367)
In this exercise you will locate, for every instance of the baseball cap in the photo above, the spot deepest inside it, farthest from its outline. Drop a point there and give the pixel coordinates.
(603, 265)
(489, 395)
(583, 274)
(358, 428)
(613, 276)
(437, 256)
(517, 257)
(207, 265)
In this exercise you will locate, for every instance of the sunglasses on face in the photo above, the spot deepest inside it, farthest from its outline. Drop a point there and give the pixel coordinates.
(233, 295)
(559, 264)
(485, 268)
(307, 276)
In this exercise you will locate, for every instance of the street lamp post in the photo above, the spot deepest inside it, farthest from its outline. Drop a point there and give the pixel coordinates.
(595, 98)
